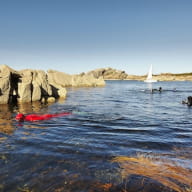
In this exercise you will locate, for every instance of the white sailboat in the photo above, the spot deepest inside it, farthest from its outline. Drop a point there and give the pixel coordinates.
(150, 76)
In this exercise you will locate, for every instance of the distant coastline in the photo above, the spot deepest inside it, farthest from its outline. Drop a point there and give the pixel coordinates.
(114, 74)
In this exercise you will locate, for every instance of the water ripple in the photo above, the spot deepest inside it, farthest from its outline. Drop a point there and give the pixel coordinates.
(74, 153)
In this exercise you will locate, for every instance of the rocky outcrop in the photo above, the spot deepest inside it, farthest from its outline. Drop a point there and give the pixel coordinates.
(8, 84)
(37, 85)
(5, 87)
(25, 86)
(41, 84)
(60, 79)
(109, 74)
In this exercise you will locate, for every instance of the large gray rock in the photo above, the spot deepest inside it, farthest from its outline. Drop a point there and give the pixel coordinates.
(40, 79)
(86, 80)
(26, 76)
(25, 86)
(109, 73)
(36, 92)
(25, 92)
(4, 90)
(62, 92)
(33, 86)
(5, 83)
(59, 79)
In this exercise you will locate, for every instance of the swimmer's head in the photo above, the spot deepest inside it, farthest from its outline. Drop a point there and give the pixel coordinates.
(20, 117)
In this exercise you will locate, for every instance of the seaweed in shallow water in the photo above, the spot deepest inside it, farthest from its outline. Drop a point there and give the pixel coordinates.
(165, 172)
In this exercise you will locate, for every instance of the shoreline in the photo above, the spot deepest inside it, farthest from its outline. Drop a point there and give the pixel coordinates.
(46, 86)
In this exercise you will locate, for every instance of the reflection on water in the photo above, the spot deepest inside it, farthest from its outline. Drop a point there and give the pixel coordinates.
(150, 86)
(120, 138)
(6, 119)
(34, 107)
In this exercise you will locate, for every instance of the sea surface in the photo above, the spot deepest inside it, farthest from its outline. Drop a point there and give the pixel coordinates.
(120, 137)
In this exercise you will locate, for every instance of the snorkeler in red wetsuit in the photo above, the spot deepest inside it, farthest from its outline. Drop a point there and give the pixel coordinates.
(34, 117)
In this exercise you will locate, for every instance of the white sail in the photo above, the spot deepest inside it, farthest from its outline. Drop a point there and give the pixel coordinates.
(150, 76)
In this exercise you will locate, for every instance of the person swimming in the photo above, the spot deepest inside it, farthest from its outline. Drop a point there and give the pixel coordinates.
(34, 117)
(188, 101)
(160, 89)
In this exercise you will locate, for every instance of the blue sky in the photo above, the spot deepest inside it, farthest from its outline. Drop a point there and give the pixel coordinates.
(77, 36)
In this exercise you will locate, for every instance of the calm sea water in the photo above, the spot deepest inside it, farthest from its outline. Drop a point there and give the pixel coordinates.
(83, 152)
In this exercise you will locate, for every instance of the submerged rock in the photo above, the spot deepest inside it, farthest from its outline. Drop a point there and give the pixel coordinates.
(51, 99)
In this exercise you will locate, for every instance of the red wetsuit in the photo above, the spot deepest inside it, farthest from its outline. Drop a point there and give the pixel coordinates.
(35, 117)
